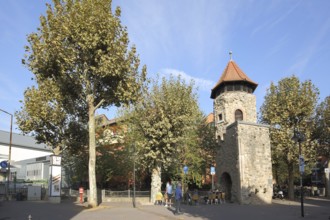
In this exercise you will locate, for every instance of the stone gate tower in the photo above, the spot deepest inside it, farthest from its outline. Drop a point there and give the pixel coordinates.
(243, 164)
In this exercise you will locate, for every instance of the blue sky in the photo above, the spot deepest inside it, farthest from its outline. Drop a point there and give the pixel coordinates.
(270, 40)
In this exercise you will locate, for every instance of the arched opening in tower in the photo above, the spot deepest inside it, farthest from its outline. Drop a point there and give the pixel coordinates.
(226, 184)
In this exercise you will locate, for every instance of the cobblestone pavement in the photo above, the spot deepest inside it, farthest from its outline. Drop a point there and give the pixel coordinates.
(315, 208)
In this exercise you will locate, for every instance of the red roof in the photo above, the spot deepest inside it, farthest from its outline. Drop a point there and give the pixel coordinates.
(233, 73)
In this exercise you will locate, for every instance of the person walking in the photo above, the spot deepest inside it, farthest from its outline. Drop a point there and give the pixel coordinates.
(169, 192)
(178, 198)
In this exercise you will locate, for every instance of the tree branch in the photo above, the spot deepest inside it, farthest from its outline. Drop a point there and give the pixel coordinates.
(98, 105)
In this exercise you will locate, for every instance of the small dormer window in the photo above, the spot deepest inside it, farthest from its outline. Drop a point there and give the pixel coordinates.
(238, 115)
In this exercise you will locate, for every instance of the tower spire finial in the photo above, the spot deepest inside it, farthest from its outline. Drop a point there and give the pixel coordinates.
(231, 55)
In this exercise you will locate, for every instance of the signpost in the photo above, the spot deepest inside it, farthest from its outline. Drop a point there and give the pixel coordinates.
(3, 166)
(299, 137)
(185, 171)
(55, 179)
(212, 173)
(301, 164)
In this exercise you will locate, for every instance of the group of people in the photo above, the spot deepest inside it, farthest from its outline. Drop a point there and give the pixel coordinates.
(193, 197)
(215, 197)
(169, 192)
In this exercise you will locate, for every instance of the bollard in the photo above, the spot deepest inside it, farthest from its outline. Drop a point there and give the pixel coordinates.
(81, 193)
(30, 217)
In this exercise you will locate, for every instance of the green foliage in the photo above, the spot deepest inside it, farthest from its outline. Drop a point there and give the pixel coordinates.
(322, 127)
(113, 162)
(76, 166)
(207, 142)
(82, 49)
(288, 106)
(164, 125)
(43, 114)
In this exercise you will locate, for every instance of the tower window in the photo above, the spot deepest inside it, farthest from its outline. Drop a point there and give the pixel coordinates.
(220, 117)
(238, 115)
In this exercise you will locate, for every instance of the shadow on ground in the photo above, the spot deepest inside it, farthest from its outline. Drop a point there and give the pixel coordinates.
(279, 209)
(21, 210)
(314, 208)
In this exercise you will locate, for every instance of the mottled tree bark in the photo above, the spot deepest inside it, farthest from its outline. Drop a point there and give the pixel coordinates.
(156, 182)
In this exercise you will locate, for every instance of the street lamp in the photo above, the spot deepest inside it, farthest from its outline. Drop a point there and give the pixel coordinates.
(299, 137)
(9, 154)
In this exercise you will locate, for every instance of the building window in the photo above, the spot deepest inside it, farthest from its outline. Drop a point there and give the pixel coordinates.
(245, 89)
(238, 115)
(220, 117)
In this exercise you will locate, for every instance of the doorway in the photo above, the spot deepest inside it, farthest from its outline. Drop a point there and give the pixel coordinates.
(226, 184)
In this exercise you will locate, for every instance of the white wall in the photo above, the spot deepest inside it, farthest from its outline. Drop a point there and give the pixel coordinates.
(20, 153)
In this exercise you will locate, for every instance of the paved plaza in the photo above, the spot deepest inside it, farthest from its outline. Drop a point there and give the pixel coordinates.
(315, 208)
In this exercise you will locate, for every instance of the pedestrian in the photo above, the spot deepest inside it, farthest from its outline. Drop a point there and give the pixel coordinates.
(169, 192)
(178, 198)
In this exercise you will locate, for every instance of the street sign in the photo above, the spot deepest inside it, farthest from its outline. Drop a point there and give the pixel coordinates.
(301, 164)
(4, 164)
(212, 170)
(185, 169)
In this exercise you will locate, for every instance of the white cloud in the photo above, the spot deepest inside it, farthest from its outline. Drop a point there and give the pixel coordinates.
(309, 51)
(201, 84)
(269, 24)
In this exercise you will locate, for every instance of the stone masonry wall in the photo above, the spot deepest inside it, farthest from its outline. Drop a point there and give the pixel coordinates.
(245, 155)
(255, 163)
(230, 101)
(227, 162)
(227, 103)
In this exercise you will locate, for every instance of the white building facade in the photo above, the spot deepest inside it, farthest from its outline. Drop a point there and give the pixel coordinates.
(29, 160)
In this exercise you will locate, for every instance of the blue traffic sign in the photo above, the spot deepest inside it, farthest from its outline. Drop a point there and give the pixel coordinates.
(185, 169)
(212, 170)
(4, 164)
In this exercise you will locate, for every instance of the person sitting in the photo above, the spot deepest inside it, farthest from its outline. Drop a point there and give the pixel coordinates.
(210, 197)
(216, 197)
(159, 198)
(189, 198)
(222, 197)
(195, 197)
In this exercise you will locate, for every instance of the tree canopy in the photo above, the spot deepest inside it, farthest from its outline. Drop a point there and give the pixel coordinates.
(290, 106)
(82, 49)
(322, 127)
(164, 127)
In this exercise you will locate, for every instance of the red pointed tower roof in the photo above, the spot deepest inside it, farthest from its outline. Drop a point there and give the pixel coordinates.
(233, 74)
